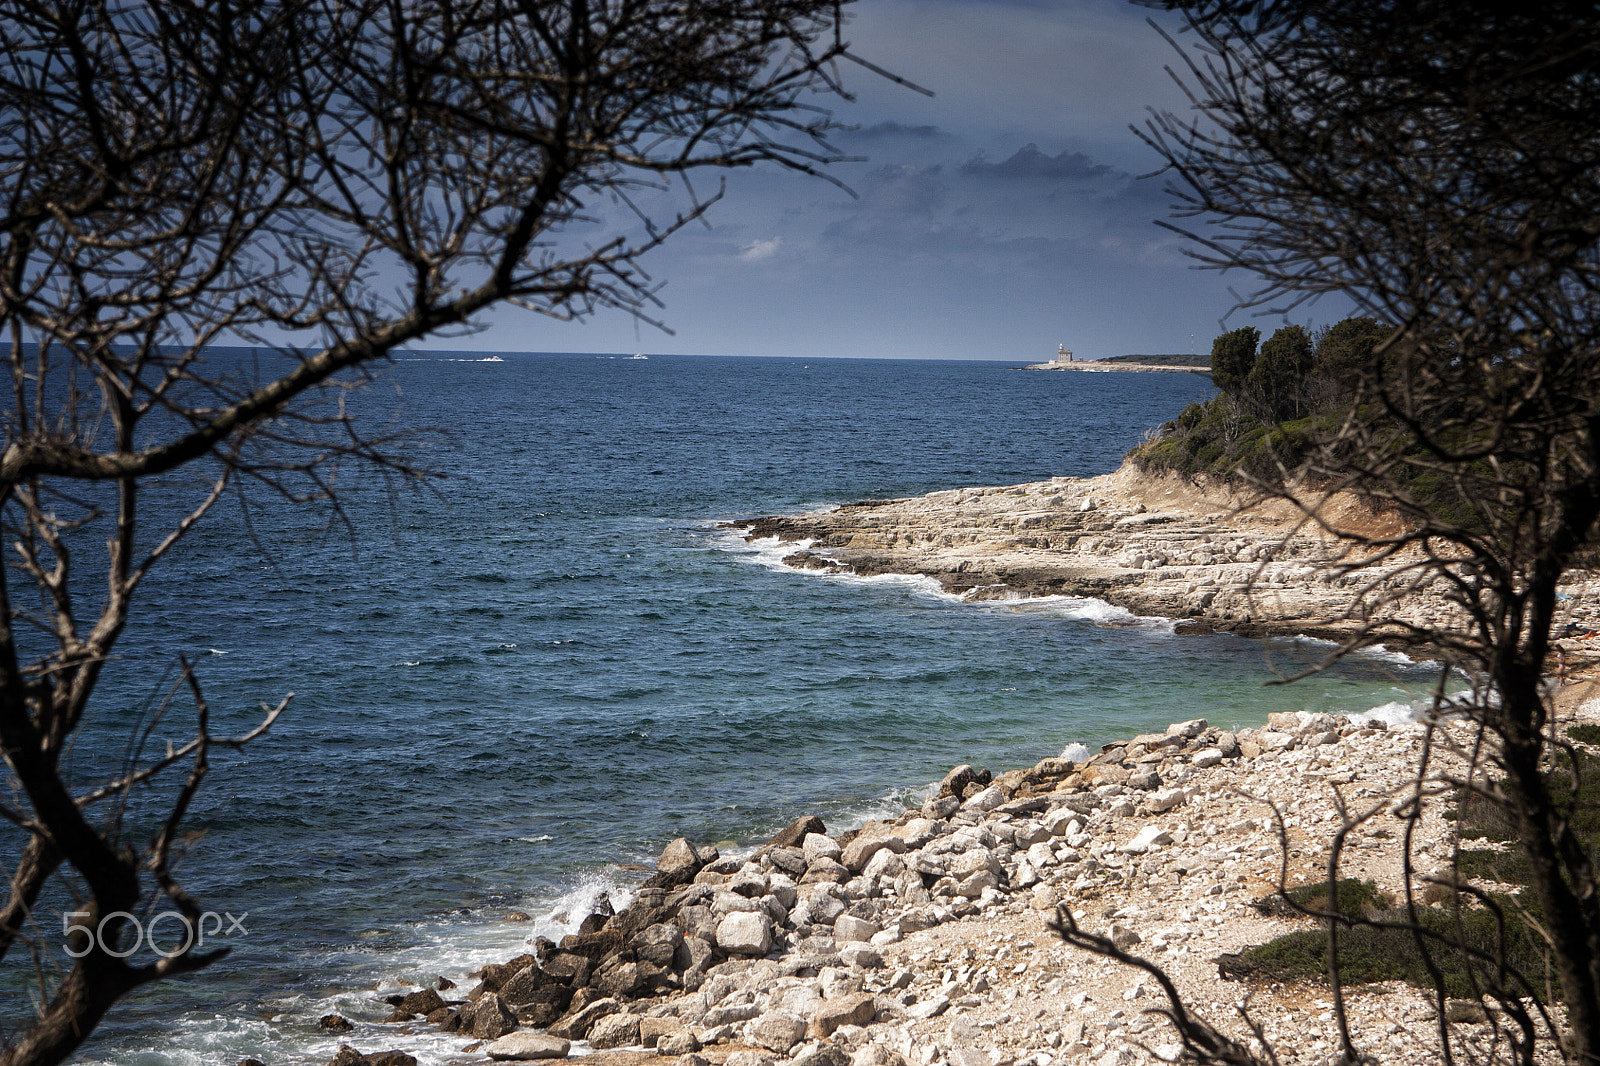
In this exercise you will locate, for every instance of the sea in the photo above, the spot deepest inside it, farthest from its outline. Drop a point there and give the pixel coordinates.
(514, 682)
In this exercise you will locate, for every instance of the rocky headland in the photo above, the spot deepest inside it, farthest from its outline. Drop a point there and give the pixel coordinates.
(1156, 546)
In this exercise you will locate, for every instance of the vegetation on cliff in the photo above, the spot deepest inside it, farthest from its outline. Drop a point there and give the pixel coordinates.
(1277, 400)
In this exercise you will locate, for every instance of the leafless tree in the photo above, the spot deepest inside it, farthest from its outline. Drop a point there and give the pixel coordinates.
(324, 180)
(1438, 164)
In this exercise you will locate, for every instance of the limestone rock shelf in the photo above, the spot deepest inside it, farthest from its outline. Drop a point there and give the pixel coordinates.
(1154, 546)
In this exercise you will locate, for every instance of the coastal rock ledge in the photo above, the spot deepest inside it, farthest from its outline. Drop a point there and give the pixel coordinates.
(1153, 545)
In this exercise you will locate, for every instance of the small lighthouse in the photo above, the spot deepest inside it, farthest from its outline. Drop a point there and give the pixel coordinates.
(1063, 354)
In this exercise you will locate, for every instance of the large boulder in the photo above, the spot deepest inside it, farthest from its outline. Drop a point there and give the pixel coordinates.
(576, 1023)
(776, 1031)
(795, 833)
(817, 846)
(678, 864)
(543, 1005)
(521, 988)
(618, 978)
(651, 1030)
(791, 861)
(866, 845)
(745, 933)
(825, 869)
(956, 781)
(424, 1002)
(566, 968)
(614, 1031)
(491, 1018)
(857, 1009)
(527, 1047)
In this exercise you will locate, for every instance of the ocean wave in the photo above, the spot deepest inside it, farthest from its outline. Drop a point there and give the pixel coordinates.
(769, 552)
(1379, 653)
(1076, 752)
(1395, 713)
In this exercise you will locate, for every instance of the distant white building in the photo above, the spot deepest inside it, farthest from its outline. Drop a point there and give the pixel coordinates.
(1063, 354)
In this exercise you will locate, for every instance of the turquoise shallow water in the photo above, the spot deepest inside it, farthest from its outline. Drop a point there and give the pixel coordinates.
(555, 661)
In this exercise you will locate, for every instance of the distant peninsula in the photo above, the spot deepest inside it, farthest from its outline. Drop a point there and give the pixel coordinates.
(1148, 364)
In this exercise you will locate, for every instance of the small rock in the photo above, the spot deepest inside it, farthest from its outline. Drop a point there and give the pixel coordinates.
(825, 869)
(1125, 938)
(861, 955)
(748, 1058)
(969, 1056)
(986, 800)
(928, 1008)
(1166, 799)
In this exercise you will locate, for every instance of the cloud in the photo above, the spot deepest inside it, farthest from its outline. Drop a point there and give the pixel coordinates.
(885, 130)
(1031, 164)
(758, 250)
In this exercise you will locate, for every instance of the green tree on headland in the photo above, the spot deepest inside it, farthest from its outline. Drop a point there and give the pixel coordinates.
(1278, 378)
(1232, 357)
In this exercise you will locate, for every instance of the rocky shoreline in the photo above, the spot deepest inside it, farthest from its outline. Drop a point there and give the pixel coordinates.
(924, 940)
(1155, 546)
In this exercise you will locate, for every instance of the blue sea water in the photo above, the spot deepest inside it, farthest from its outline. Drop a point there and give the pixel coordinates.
(556, 659)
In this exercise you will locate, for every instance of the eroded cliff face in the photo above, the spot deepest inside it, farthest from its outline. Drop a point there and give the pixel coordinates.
(1154, 546)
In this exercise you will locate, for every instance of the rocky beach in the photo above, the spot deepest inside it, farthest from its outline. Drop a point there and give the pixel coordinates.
(928, 939)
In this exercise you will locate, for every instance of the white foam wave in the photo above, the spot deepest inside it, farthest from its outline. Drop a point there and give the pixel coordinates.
(770, 552)
(1076, 752)
(1387, 655)
(569, 910)
(1395, 713)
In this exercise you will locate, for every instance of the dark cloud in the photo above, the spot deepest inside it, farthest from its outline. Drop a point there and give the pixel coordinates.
(885, 130)
(1030, 164)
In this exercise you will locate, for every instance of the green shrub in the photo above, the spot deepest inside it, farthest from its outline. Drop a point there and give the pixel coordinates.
(1585, 734)
(1369, 954)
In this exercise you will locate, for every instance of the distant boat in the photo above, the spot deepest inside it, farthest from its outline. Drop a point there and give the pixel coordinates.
(638, 355)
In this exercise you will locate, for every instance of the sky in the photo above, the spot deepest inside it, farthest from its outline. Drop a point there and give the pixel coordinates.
(997, 219)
